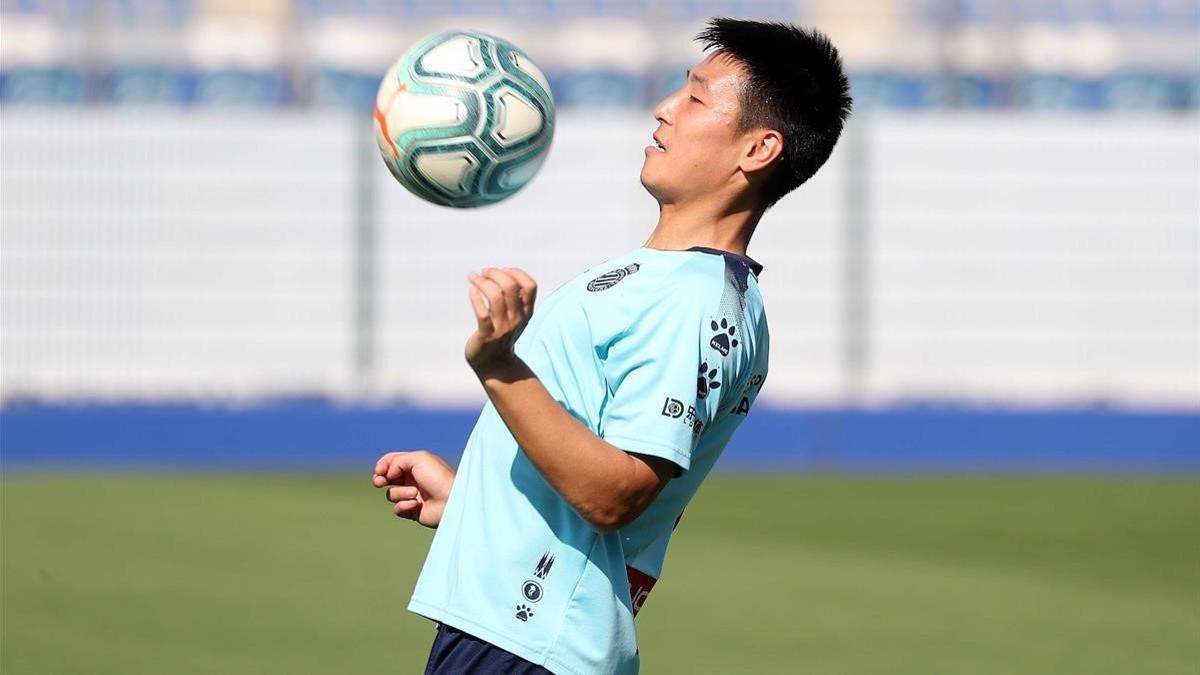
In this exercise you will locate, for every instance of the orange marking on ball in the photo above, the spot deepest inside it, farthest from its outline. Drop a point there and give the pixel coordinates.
(383, 128)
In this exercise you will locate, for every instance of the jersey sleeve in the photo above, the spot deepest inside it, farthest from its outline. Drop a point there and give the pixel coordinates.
(664, 380)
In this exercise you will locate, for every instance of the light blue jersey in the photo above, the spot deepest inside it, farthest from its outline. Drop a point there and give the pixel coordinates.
(657, 352)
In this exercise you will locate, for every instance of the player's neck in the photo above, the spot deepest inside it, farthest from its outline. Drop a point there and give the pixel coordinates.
(681, 227)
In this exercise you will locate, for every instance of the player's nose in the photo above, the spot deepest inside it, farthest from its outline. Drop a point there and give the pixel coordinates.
(664, 110)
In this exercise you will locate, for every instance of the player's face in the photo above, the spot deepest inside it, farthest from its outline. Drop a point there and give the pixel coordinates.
(696, 148)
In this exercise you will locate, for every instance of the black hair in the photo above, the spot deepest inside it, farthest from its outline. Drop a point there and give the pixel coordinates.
(795, 85)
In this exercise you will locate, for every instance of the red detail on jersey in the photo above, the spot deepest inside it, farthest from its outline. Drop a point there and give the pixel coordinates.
(640, 584)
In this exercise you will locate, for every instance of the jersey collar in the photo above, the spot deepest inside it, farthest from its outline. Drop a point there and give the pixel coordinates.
(748, 262)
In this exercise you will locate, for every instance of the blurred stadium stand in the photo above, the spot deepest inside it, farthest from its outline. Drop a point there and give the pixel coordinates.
(193, 211)
(1033, 54)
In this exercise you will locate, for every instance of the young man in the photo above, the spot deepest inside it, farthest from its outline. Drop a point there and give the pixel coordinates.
(622, 391)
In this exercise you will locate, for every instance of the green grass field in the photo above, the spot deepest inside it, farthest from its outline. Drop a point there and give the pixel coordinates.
(310, 574)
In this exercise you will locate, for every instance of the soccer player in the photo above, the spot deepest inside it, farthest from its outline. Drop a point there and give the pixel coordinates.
(609, 406)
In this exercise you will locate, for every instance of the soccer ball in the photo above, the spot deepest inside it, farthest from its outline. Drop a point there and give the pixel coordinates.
(464, 119)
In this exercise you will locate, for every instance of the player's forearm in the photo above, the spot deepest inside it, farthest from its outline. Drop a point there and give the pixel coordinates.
(599, 480)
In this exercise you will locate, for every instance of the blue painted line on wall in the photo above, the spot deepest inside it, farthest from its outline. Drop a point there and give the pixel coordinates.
(295, 436)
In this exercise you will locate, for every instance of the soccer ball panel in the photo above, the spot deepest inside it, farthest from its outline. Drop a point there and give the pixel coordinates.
(419, 111)
(514, 176)
(460, 55)
(516, 120)
(525, 65)
(450, 171)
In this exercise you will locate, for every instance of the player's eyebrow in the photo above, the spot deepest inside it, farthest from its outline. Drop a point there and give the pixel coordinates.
(698, 79)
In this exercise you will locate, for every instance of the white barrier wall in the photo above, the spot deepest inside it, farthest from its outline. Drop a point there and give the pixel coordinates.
(184, 255)
(1042, 258)
(149, 254)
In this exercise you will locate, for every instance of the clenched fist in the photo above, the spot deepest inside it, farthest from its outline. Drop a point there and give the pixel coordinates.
(503, 302)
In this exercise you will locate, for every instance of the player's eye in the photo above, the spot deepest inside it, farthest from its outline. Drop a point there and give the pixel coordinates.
(696, 100)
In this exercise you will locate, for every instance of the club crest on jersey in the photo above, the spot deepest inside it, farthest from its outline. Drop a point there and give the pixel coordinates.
(532, 590)
(609, 279)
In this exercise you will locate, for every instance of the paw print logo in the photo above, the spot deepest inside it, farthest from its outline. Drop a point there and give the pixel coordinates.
(724, 340)
(707, 381)
(523, 612)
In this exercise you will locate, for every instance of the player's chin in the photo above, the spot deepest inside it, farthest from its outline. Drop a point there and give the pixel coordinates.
(650, 186)
(650, 177)
(656, 183)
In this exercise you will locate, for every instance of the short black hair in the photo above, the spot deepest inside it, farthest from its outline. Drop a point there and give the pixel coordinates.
(795, 84)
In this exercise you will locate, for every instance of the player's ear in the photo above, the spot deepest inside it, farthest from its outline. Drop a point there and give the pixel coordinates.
(764, 147)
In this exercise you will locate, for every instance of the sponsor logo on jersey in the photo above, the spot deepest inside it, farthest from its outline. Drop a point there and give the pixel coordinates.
(749, 392)
(755, 383)
(724, 340)
(532, 590)
(673, 408)
(640, 585)
(609, 279)
(544, 565)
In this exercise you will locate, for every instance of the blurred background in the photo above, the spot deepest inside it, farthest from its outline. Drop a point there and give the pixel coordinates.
(977, 449)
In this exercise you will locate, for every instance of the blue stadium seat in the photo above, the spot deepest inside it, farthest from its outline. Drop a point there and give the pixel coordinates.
(49, 85)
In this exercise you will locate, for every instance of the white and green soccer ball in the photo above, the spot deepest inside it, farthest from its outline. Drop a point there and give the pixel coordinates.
(464, 119)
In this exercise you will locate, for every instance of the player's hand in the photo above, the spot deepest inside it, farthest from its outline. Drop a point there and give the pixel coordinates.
(503, 302)
(416, 483)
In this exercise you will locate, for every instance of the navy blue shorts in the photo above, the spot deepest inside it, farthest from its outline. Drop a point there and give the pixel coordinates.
(455, 652)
